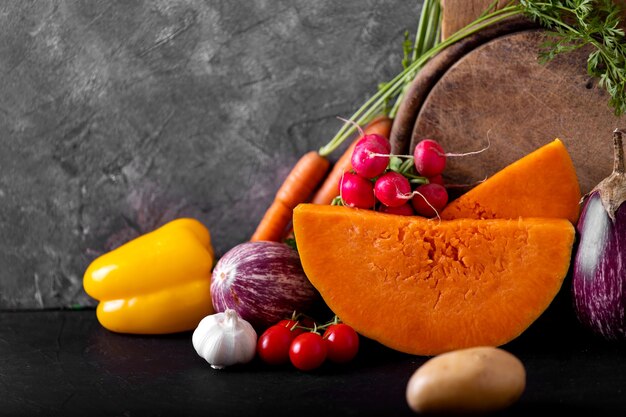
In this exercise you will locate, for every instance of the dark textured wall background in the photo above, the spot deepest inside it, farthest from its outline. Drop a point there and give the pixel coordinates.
(116, 117)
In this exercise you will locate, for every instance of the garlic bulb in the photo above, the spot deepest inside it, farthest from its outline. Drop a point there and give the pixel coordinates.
(225, 339)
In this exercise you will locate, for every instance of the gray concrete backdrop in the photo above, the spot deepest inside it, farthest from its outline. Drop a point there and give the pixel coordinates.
(118, 116)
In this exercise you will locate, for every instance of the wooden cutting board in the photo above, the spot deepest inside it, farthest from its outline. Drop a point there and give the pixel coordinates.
(494, 91)
(459, 13)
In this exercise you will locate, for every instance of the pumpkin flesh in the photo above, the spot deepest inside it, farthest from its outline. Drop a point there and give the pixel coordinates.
(424, 286)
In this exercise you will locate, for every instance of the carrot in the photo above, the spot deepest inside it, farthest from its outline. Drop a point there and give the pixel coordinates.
(329, 189)
(303, 179)
(295, 189)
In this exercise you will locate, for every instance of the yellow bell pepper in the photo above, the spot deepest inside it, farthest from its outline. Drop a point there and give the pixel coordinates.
(157, 283)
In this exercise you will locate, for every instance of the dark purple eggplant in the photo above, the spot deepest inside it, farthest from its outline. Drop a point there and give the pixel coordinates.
(599, 270)
(263, 282)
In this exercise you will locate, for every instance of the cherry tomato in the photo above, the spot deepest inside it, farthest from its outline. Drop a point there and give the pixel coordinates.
(302, 323)
(307, 351)
(290, 325)
(342, 342)
(273, 345)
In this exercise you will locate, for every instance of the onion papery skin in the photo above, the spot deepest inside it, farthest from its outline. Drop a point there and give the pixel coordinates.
(599, 270)
(263, 282)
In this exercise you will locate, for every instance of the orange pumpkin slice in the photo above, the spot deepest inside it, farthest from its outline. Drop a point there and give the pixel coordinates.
(541, 184)
(425, 287)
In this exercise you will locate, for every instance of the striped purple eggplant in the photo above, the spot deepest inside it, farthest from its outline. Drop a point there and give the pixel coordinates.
(262, 281)
(599, 269)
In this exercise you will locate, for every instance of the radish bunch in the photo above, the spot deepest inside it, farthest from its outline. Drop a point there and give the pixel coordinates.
(388, 183)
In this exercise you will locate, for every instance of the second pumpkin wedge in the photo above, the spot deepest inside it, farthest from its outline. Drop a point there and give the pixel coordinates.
(425, 287)
(541, 184)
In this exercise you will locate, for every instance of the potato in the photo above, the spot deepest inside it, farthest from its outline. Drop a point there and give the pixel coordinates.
(467, 381)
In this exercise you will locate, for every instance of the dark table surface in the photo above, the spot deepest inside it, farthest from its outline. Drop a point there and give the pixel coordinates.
(64, 363)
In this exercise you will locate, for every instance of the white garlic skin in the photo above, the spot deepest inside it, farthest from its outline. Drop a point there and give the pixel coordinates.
(225, 339)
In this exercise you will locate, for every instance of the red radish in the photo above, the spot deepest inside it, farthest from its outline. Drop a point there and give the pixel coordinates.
(429, 158)
(378, 139)
(371, 156)
(437, 179)
(392, 189)
(356, 191)
(404, 210)
(429, 199)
